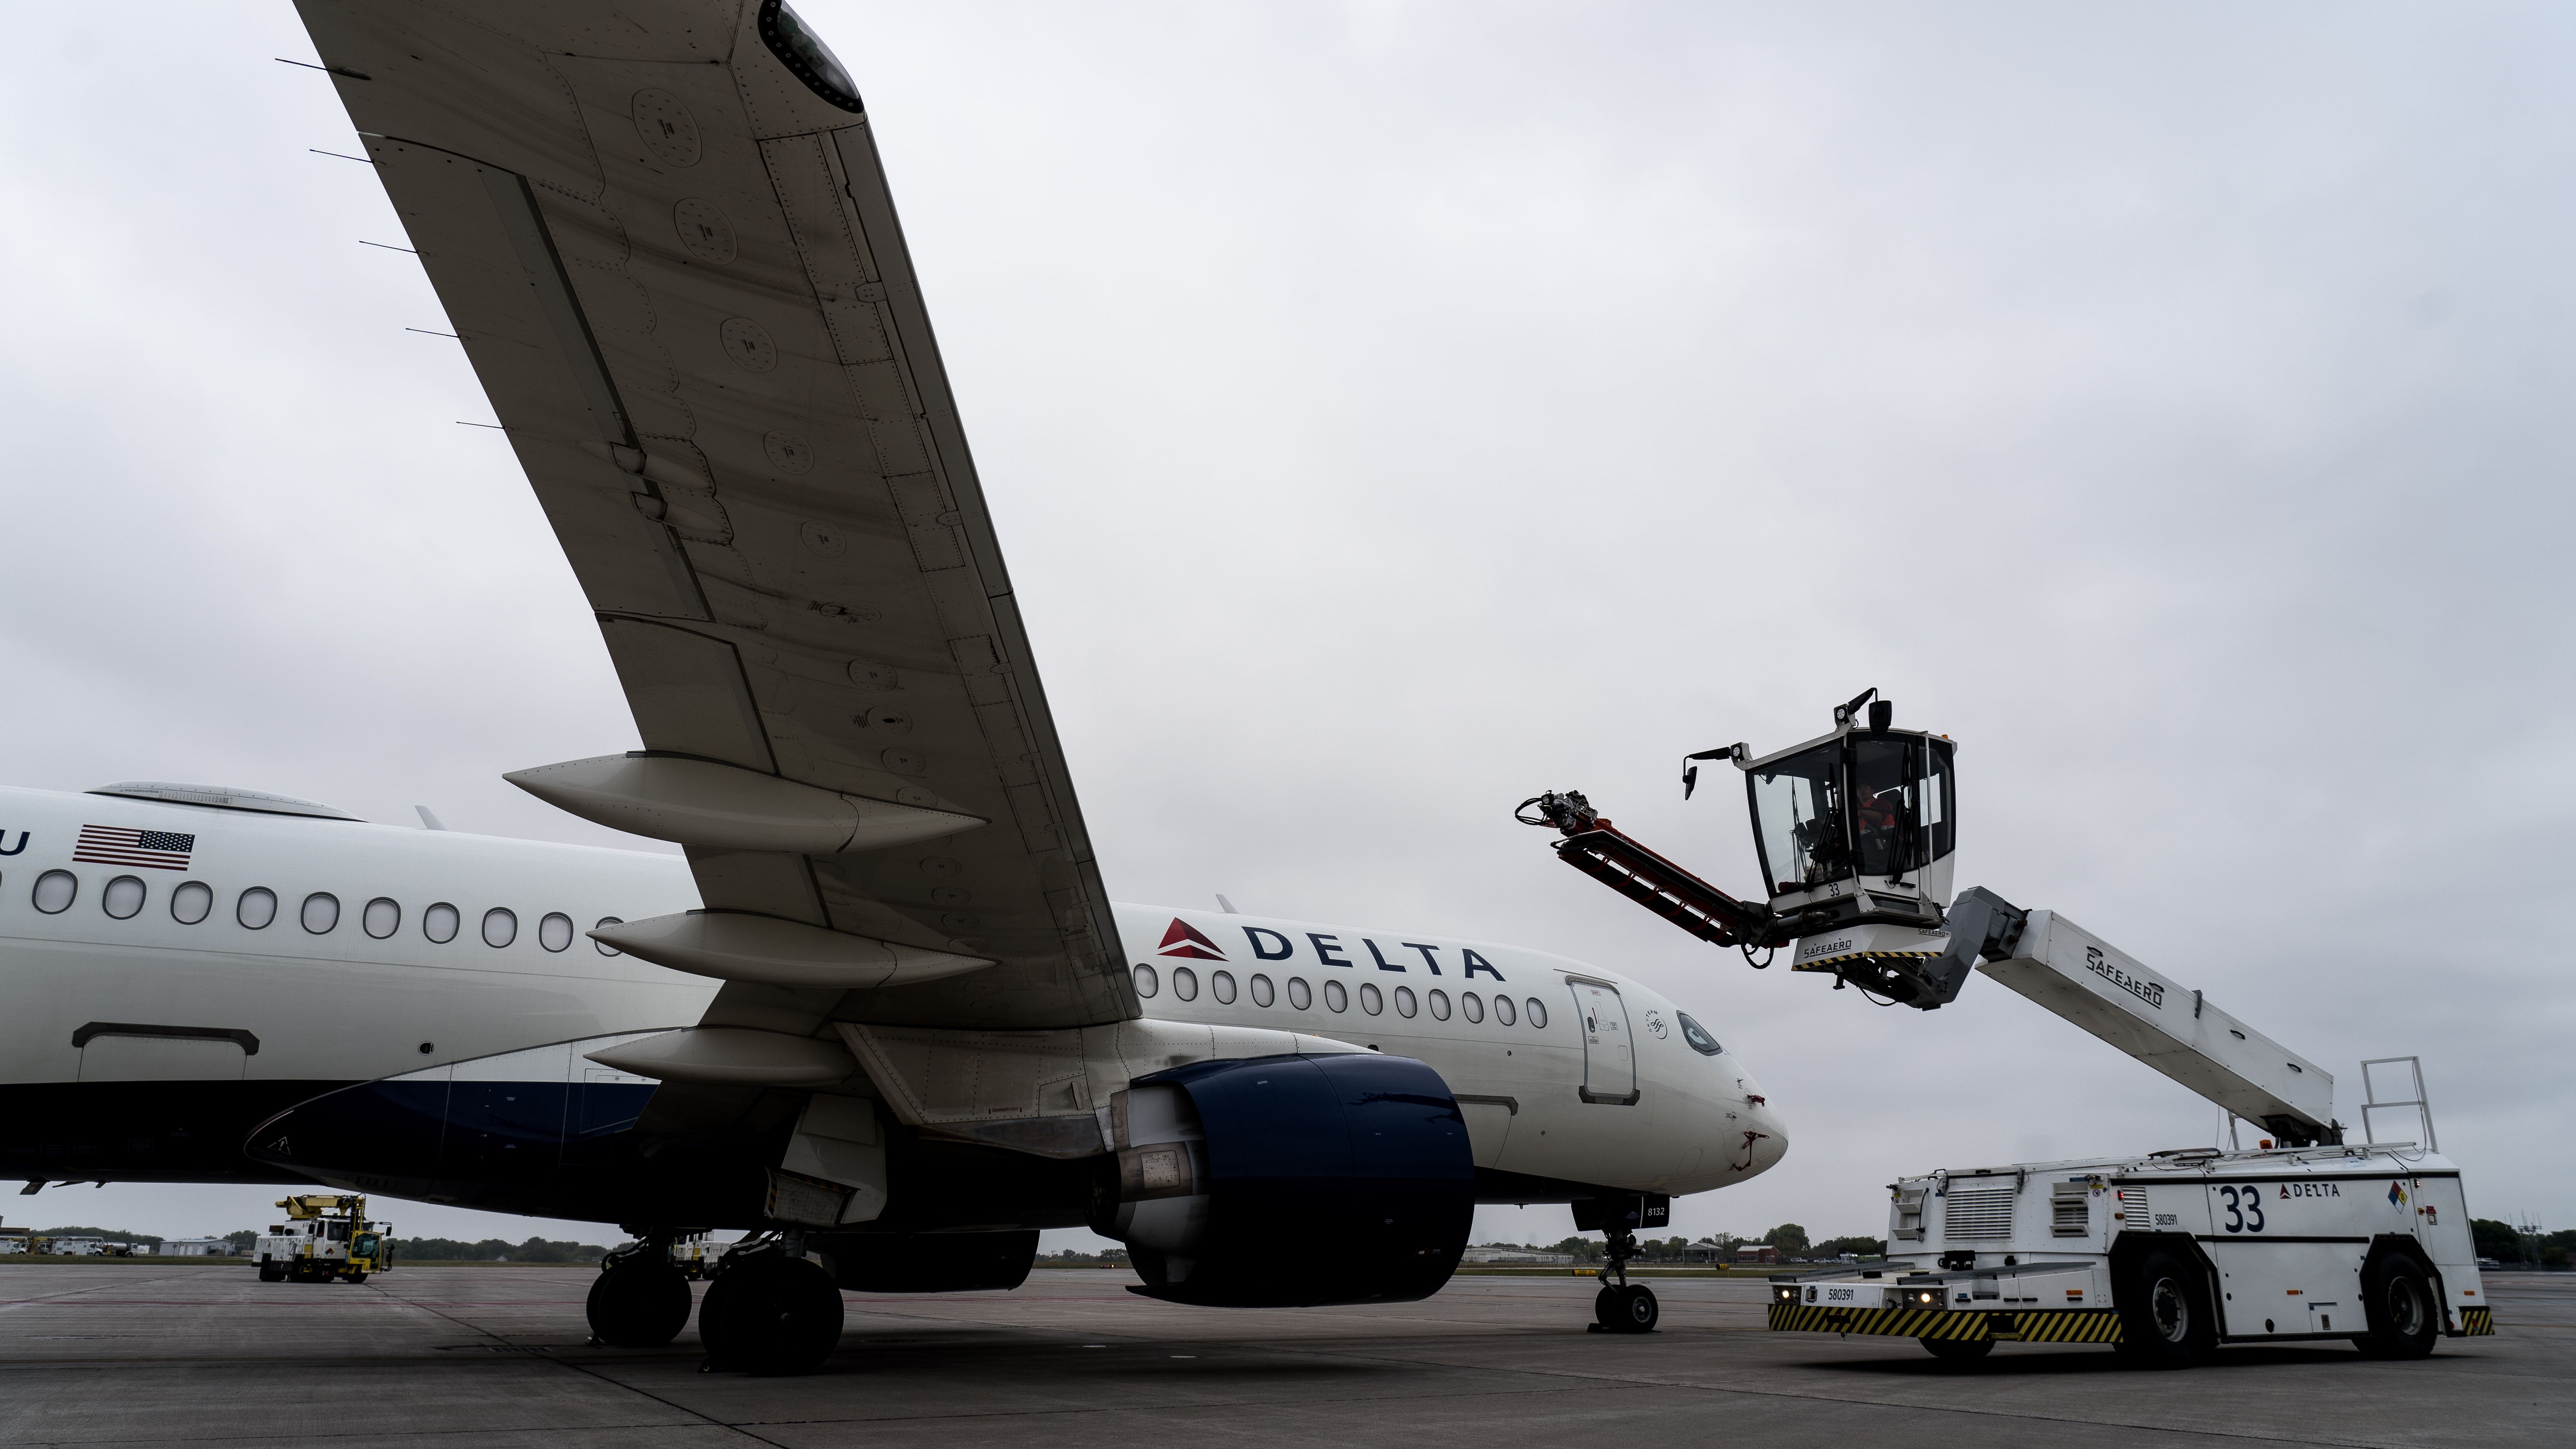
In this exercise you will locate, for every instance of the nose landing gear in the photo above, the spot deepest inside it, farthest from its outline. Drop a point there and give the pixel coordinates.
(1622, 1306)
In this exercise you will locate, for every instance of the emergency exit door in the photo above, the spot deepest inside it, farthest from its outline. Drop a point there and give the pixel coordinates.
(1609, 1056)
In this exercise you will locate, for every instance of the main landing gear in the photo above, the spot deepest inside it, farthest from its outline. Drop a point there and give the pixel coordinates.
(639, 1300)
(770, 1310)
(1622, 1306)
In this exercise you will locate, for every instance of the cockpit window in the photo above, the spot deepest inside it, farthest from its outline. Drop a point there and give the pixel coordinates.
(1698, 1037)
(802, 51)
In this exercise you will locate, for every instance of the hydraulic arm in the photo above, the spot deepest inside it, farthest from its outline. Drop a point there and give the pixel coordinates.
(1855, 835)
(1606, 853)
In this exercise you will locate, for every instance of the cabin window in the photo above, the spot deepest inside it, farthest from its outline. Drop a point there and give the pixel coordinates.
(555, 931)
(1537, 1014)
(1185, 983)
(256, 908)
(500, 927)
(1221, 986)
(1503, 1010)
(55, 891)
(1439, 1006)
(1372, 1000)
(606, 949)
(1471, 1006)
(1262, 992)
(1146, 984)
(123, 897)
(321, 912)
(1300, 995)
(1404, 1002)
(381, 918)
(1335, 997)
(192, 902)
(439, 923)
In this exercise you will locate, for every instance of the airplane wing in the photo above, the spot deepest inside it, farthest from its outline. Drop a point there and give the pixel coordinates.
(662, 234)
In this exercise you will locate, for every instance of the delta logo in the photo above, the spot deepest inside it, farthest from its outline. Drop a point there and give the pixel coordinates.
(1185, 940)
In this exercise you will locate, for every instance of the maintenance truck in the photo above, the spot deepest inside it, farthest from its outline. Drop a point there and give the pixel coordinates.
(325, 1236)
(2164, 1255)
(695, 1253)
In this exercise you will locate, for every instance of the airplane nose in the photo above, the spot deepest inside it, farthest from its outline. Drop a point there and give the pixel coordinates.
(1762, 1139)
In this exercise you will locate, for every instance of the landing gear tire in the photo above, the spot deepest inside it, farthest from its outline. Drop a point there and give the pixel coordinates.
(2397, 1301)
(1626, 1308)
(1957, 1350)
(770, 1315)
(639, 1304)
(2165, 1317)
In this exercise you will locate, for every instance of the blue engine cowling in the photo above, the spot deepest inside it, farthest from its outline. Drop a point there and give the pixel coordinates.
(1290, 1182)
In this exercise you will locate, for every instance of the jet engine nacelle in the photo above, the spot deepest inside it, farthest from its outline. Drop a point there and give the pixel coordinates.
(1290, 1181)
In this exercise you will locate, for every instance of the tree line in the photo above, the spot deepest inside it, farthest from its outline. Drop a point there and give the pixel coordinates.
(2499, 1241)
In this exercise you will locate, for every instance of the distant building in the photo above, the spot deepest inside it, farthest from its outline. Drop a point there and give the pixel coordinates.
(1755, 1254)
(1525, 1256)
(196, 1248)
(1707, 1251)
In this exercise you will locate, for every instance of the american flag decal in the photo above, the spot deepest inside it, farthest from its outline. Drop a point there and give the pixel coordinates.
(115, 845)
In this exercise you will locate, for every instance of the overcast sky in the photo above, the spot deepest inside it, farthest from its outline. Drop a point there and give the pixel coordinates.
(1392, 410)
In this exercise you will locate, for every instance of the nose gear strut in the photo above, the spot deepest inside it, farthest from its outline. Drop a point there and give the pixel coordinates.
(1622, 1306)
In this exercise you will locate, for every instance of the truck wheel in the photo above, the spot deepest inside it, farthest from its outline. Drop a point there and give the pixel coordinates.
(2165, 1320)
(270, 1272)
(353, 1277)
(1957, 1350)
(2397, 1300)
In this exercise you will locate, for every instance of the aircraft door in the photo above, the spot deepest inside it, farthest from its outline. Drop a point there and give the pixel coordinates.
(1609, 1055)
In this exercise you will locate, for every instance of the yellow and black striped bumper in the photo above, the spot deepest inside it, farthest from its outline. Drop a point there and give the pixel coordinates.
(2061, 1325)
(2474, 1322)
(1828, 963)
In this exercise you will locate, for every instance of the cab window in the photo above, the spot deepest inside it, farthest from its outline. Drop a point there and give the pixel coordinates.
(1798, 820)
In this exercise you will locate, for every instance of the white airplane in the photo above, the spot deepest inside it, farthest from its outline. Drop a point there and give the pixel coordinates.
(881, 1013)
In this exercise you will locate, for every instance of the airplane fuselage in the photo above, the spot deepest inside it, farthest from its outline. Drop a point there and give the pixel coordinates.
(169, 992)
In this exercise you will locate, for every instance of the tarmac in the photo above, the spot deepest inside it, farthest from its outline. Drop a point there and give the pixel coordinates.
(115, 1354)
